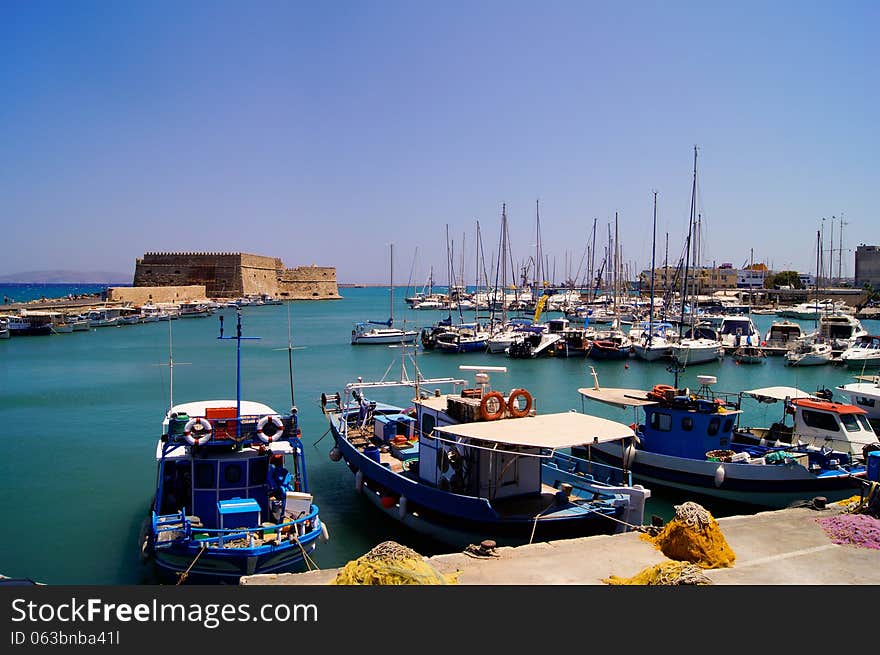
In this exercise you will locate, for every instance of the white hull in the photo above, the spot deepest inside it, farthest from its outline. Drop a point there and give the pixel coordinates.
(863, 395)
(696, 351)
(653, 352)
(808, 360)
(384, 336)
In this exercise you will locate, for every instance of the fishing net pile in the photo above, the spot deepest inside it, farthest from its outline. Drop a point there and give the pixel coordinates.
(694, 536)
(860, 524)
(667, 573)
(390, 563)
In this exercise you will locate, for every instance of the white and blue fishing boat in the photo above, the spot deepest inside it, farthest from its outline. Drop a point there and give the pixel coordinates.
(232, 496)
(691, 443)
(475, 464)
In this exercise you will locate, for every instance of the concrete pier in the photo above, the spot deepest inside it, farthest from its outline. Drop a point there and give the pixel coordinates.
(784, 547)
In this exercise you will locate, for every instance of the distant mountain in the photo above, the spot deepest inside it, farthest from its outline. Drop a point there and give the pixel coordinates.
(67, 277)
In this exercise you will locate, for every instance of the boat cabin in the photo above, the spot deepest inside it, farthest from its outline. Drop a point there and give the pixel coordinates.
(207, 459)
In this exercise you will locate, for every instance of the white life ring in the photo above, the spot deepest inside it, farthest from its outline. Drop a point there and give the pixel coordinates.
(263, 422)
(197, 439)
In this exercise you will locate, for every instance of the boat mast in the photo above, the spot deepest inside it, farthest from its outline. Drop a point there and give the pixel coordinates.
(391, 277)
(816, 283)
(653, 251)
(238, 338)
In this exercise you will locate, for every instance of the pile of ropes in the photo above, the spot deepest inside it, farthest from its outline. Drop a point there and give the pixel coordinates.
(693, 541)
(667, 573)
(390, 563)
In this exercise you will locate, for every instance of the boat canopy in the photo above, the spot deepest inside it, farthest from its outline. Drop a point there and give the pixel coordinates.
(772, 394)
(619, 397)
(561, 430)
(248, 407)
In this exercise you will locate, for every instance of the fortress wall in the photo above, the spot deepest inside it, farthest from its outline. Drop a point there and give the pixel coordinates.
(235, 274)
(308, 283)
(156, 295)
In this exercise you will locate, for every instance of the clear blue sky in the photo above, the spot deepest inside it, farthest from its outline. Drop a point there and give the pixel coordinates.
(322, 132)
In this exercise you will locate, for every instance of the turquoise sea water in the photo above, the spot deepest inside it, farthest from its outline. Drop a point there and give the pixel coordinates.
(81, 414)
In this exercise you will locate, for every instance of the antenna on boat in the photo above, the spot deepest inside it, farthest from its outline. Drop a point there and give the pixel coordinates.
(170, 366)
(290, 350)
(238, 338)
(482, 375)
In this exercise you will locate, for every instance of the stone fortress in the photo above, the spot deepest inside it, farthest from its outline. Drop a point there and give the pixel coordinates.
(174, 275)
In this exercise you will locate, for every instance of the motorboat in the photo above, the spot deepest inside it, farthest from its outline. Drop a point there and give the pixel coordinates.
(864, 393)
(863, 354)
(738, 330)
(841, 330)
(813, 419)
(781, 336)
(809, 352)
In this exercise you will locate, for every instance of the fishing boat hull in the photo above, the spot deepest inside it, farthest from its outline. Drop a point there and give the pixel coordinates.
(229, 565)
(764, 486)
(609, 350)
(458, 520)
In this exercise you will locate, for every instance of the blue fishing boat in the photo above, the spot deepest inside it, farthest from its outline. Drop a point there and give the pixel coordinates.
(232, 496)
(475, 464)
(691, 442)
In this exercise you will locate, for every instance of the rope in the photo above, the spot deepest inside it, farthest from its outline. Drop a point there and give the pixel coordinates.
(633, 526)
(183, 576)
(322, 436)
(308, 560)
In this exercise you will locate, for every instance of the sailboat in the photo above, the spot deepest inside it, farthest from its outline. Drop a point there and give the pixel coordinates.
(653, 343)
(696, 346)
(811, 350)
(364, 334)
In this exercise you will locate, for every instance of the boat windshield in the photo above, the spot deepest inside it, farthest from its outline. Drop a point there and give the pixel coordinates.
(850, 422)
(864, 421)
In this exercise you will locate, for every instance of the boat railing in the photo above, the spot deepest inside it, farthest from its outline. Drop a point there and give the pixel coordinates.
(183, 526)
(226, 429)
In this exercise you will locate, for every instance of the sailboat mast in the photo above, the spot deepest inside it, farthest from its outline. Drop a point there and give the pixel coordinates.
(653, 251)
(391, 309)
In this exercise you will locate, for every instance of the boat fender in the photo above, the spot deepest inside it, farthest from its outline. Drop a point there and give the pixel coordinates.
(359, 481)
(205, 429)
(629, 455)
(335, 454)
(402, 508)
(719, 475)
(263, 422)
(325, 533)
(514, 408)
(485, 413)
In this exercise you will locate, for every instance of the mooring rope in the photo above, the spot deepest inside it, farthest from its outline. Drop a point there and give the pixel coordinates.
(183, 576)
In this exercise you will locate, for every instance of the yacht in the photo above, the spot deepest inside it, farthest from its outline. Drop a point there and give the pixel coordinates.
(863, 354)
(841, 330)
(738, 330)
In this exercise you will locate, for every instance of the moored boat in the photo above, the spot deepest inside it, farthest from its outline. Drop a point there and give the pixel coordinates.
(689, 443)
(463, 467)
(232, 495)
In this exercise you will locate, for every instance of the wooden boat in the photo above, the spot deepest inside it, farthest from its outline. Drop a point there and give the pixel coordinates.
(479, 464)
(690, 442)
(232, 495)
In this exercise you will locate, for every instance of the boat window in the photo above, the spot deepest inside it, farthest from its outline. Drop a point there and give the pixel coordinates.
(428, 423)
(728, 425)
(850, 422)
(661, 421)
(233, 474)
(687, 423)
(820, 420)
(864, 421)
(714, 425)
(865, 402)
(259, 470)
(206, 475)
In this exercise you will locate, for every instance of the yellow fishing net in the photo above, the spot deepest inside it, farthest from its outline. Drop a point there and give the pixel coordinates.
(667, 573)
(390, 563)
(694, 536)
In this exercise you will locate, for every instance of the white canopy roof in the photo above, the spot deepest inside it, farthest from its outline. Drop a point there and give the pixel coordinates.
(248, 407)
(772, 394)
(561, 430)
(619, 397)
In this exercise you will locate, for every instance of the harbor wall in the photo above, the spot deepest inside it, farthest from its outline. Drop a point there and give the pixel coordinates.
(229, 275)
(156, 295)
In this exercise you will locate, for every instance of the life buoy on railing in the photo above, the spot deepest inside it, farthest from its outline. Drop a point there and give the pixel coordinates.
(487, 414)
(662, 391)
(263, 422)
(196, 436)
(513, 406)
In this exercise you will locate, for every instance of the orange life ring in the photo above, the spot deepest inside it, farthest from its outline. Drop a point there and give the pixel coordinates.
(662, 389)
(512, 406)
(487, 415)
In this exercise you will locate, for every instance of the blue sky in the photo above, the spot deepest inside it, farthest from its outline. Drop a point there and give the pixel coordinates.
(322, 132)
